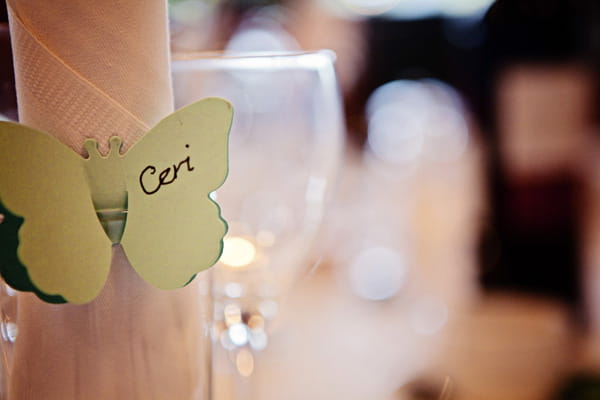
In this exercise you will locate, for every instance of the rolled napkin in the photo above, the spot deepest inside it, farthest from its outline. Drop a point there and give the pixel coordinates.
(94, 69)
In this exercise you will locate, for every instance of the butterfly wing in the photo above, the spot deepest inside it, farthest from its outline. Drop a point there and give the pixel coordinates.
(63, 252)
(173, 229)
(11, 268)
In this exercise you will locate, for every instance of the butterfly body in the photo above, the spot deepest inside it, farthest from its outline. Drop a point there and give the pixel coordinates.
(172, 229)
(106, 175)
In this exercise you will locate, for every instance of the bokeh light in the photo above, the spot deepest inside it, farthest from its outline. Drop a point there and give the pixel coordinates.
(237, 252)
(413, 120)
(244, 362)
(377, 273)
(406, 9)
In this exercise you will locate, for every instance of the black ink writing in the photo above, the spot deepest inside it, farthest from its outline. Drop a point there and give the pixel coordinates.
(165, 177)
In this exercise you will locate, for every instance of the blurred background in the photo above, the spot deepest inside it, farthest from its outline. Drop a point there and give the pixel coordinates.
(459, 256)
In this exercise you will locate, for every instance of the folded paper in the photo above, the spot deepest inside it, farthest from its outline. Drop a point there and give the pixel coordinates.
(61, 213)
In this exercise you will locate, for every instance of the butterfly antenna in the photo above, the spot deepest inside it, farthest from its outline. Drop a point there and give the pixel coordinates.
(116, 143)
(91, 147)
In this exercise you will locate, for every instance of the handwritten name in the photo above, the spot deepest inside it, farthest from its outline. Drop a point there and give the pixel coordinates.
(149, 180)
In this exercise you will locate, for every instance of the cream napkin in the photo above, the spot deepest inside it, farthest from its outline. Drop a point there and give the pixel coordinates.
(96, 69)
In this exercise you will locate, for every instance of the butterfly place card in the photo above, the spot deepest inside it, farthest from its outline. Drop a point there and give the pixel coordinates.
(61, 213)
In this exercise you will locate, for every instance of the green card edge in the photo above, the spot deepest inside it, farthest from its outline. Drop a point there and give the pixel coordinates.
(12, 270)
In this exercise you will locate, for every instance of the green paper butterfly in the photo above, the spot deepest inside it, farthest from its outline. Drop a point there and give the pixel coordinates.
(62, 213)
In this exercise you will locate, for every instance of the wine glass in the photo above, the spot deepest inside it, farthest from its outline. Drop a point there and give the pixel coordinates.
(285, 147)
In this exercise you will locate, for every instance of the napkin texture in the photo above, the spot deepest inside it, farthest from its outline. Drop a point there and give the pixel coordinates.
(91, 69)
(94, 69)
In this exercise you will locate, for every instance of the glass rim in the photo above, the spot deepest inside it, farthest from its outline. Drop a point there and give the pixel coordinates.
(253, 59)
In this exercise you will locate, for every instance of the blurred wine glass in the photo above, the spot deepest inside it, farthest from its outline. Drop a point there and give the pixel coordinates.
(398, 255)
(285, 146)
(421, 147)
(414, 199)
